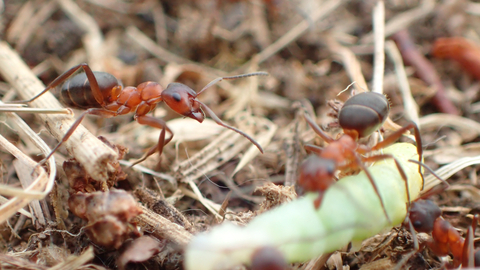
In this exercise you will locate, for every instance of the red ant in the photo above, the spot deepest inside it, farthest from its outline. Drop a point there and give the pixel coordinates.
(424, 216)
(360, 116)
(100, 93)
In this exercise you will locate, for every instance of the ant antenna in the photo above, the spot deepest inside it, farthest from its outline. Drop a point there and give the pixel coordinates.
(346, 88)
(261, 73)
(425, 166)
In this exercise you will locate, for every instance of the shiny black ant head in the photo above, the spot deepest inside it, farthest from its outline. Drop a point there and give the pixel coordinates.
(183, 100)
(423, 214)
(316, 173)
(364, 113)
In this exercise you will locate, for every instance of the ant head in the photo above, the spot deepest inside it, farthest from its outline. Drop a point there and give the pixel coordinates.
(316, 173)
(183, 100)
(423, 214)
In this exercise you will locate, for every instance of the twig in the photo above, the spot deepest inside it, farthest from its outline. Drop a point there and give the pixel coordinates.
(162, 228)
(425, 71)
(84, 146)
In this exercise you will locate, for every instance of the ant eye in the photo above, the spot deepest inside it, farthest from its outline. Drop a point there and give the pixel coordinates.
(417, 224)
(331, 168)
(177, 97)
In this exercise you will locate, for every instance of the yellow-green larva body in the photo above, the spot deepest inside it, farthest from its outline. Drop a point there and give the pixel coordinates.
(350, 211)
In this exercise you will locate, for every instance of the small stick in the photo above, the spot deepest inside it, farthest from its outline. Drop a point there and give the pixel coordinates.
(409, 104)
(16, 109)
(379, 54)
(93, 154)
(425, 71)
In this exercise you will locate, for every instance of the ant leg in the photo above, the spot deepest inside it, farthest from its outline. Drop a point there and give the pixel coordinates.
(93, 111)
(468, 257)
(362, 166)
(156, 123)
(221, 123)
(313, 148)
(416, 246)
(399, 168)
(425, 166)
(318, 130)
(397, 134)
(64, 76)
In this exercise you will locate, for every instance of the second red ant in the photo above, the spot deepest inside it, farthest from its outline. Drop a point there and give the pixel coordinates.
(424, 216)
(360, 116)
(100, 93)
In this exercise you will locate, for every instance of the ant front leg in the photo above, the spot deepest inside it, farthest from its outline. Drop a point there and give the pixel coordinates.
(156, 123)
(399, 168)
(397, 134)
(361, 165)
(93, 111)
(318, 130)
(64, 76)
(313, 148)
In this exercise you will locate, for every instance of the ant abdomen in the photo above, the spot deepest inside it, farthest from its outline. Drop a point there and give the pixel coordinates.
(77, 92)
(364, 113)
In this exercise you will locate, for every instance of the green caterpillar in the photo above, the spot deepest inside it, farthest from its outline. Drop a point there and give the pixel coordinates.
(350, 211)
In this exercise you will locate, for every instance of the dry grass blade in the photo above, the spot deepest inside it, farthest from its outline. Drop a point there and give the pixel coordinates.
(448, 170)
(224, 148)
(25, 26)
(8, 260)
(264, 139)
(84, 146)
(35, 110)
(411, 108)
(39, 187)
(24, 175)
(218, 152)
(463, 126)
(350, 63)
(35, 189)
(136, 35)
(74, 262)
(162, 228)
(379, 54)
(93, 38)
(326, 9)
(466, 127)
(403, 20)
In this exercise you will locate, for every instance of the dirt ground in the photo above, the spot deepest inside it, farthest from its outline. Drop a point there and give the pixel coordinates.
(82, 210)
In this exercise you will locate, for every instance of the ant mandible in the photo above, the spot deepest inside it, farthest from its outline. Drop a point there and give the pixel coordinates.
(424, 216)
(101, 94)
(360, 116)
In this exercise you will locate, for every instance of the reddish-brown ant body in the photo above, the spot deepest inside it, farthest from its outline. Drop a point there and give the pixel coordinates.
(425, 216)
(360, 116)
(100, 93)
